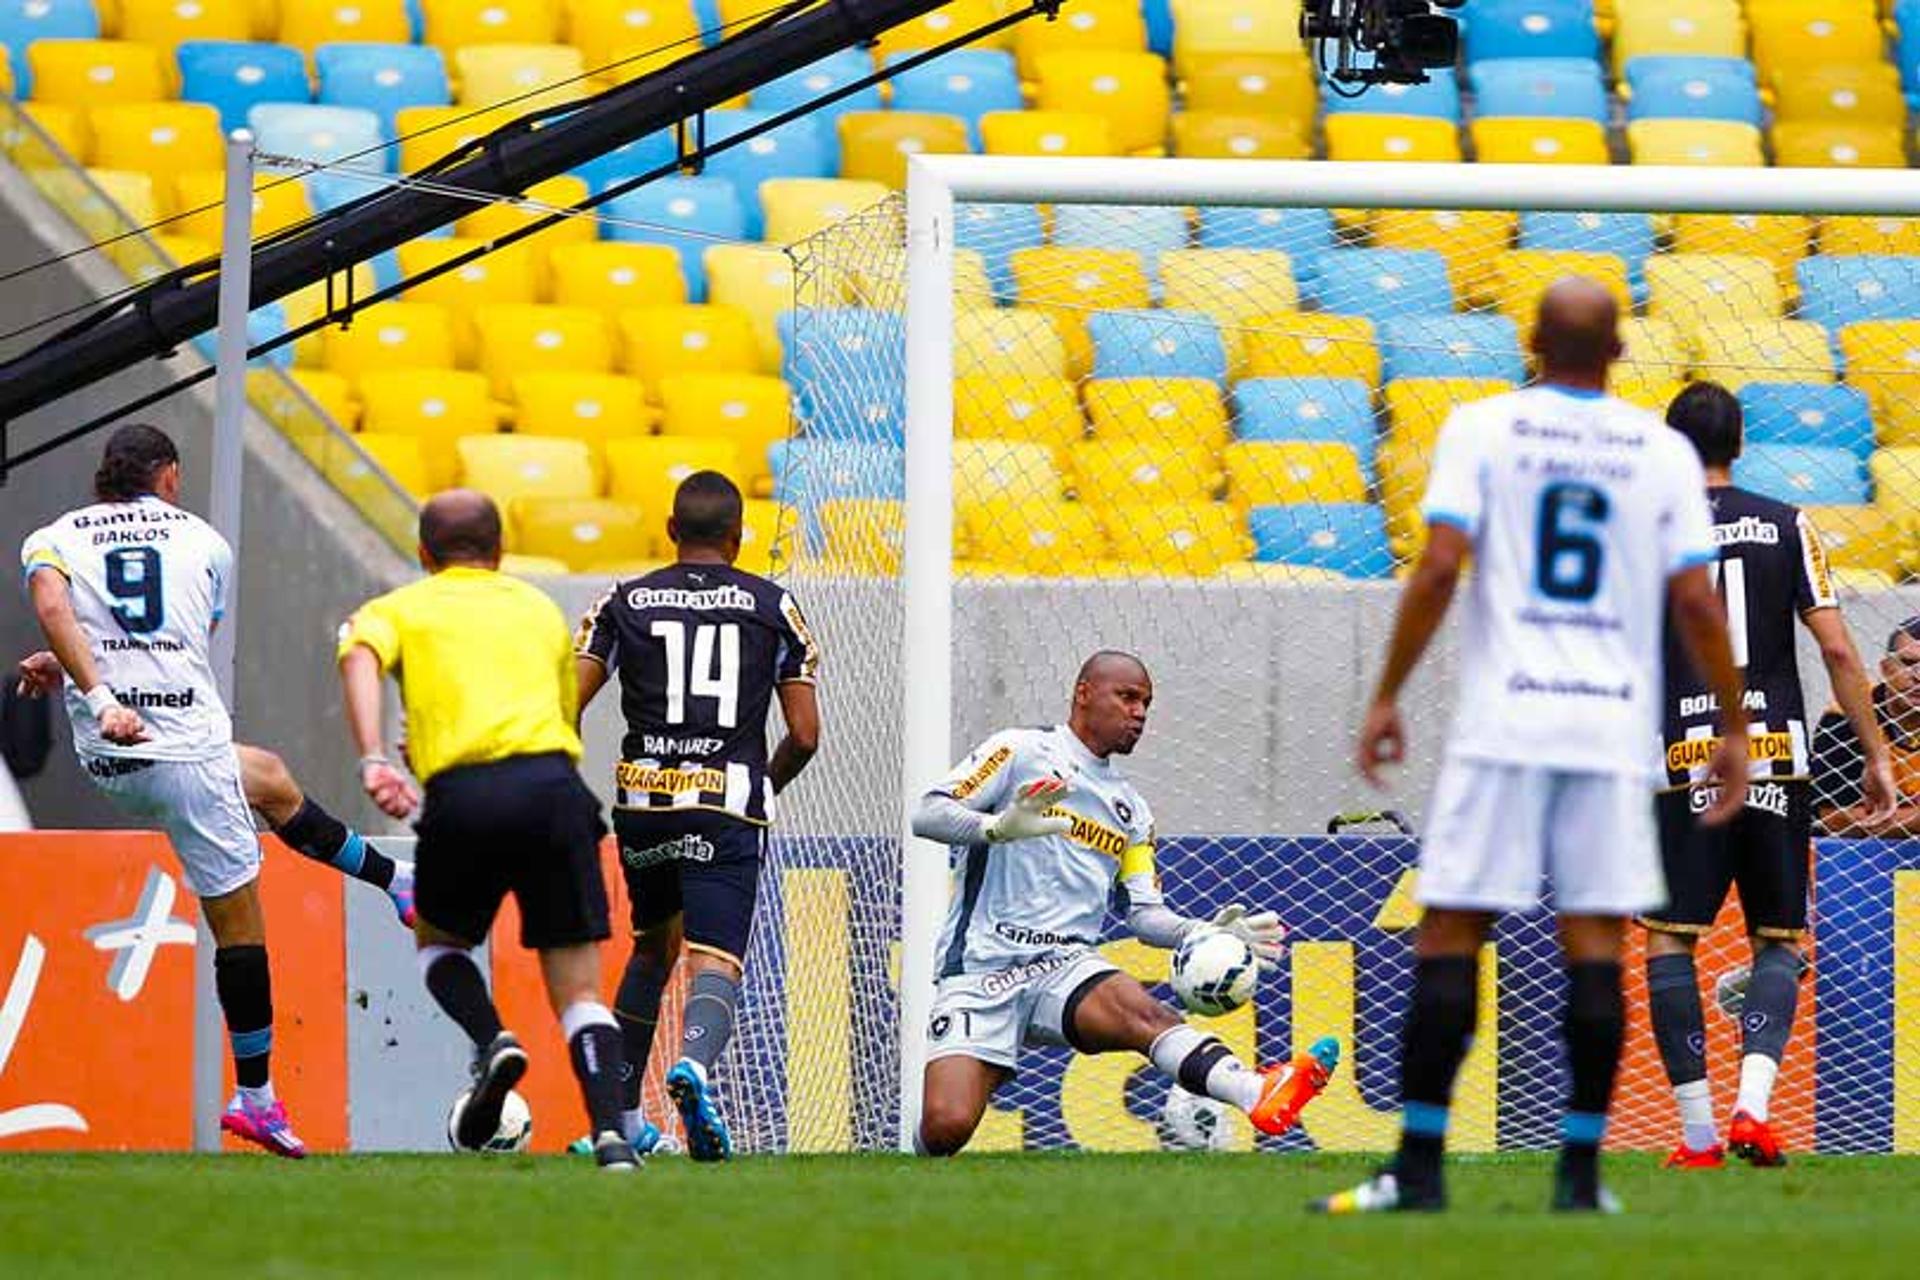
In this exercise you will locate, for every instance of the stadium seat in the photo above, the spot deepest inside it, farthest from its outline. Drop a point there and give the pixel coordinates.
(1104, 26)
(758, 279)
(1504, 29)
(1804, 475)
(1184, 411)
(1683, 88)
(1044, 538)
(590, 407)
(1039, 410)
(822, 76)
(1382, 283)
(605, 30)
(646, 470)
(582, 532)
(797, 149)
(1820, 144)
(612, 276)
(1451, 346)
(382, 78)
(794, 208)
(1787, 39)
(658, 342)
(819, 360)
(161, 138)
(1694, 28)
(1540, 88)
(23, 24)
(234, 76)
(1883, 360)
(65, 130)
(807, 473)
(1046, 133)
(995, 231)
(104, 202)
(1382, 137)
(1129, 90)
(862, 536)
(1654, 352)
(1333, 410)
(1204, 29)
(1781, 238)
(490, 221)
(1694, 142)
(90, 73)
(1304, 235)
(399, 457)
(166, 23)
(1233, 286)
(1521, 276)
(452, 24)
(1469, 239)
(296, 399)
(524, 77)
(1148, 230)
(1693, 289)
(1156, 343)
(1404, 467)
(1070, 284)
(942, 25)
(1861, 541)
(751, 410)
(1895, 473)
(1182, 540)
(516, 339)
(1836, 291)
(768, 532)
(309, 24)
(506, 467)
(1007, 342)
(1895, 236)
(435, 406)
(1142, 471)
(874, 145)
(323, 135)
(1348, 538)
(391, 336)
(1304, 344)
(1853, 93)
(1416, 408)
(510, 275)
(684, 213)
(1739, 352)
(1263, 473)
(966, 83)
(1523, 140)
(1215, 135)
(1815, 413)
(989, 471)
(425, 134)
(1628, 236)
(1438, 98)
(654, 153)
(1273, 86)
(278, 203)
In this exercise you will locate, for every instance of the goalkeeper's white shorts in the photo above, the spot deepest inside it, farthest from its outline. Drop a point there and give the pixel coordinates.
(990, 1016)
(1498, 834)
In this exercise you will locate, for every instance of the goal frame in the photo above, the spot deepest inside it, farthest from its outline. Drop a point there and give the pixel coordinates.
(937, 183)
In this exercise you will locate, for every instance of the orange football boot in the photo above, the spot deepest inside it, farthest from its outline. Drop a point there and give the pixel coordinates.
(1685, 1157)
(1753, 1141)
(1290, 1086)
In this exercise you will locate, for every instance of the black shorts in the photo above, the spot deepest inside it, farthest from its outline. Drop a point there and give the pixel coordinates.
(526, 825)
(705, 866)
(1765, 851)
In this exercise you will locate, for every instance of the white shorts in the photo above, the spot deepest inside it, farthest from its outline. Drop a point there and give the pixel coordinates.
(201, 807)
(1498, 833)
(989, 1016)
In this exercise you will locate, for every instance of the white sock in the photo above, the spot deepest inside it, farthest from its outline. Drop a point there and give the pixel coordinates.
(1228, 1080)
(261, 1097)
(1235, 1083)
(1757, 1071)
(631, 1123)
(1696, 1114)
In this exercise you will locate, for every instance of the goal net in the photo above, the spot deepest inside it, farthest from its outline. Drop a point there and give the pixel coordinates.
(1186, 409)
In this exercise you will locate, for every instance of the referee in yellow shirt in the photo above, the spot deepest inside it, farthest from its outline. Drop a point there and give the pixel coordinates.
(485, 665)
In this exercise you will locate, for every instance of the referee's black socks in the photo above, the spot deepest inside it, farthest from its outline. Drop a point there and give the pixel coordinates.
(1439, 1027)
(593, 1042)
(1595, 1026)
(454, 982)
(319, 835)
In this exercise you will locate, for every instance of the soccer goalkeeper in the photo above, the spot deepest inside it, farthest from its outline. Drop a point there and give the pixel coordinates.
(1044, 825)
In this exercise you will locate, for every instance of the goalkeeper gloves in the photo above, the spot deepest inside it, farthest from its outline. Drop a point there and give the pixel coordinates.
(1027, 817)
(1261, 931)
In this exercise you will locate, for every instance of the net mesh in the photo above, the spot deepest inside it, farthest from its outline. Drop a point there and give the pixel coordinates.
(1202, 434)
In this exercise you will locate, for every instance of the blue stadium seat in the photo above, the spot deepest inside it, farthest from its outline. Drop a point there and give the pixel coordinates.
(1541, 88)
(1381, 284)
(686, 214)
(1148, 230)
(1805, 475)
(829, 399)
(1346, 537)
(1307, 235)
(794, 150)
(382, 78)
(797, 88)
(994, 231)
(1808, 413)
(234, 76)
(807, 473)
(1156, 344)
(327, 134)
(1528, 29)
(1439, 98)
(22, 24)
(642, 155)
(1693, 88)
(1628, 236)
(967, 83)
(1456, 346)
(1158, 15)
(264, 323)
(1838, 290)
(1339, 410)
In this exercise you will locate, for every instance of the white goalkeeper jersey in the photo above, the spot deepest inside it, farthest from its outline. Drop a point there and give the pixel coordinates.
(148, 581)
(1580, 508)
(1021, 899)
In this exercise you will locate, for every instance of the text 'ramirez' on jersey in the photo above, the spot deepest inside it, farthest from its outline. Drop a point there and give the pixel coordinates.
(1771, 570)
(698, 650)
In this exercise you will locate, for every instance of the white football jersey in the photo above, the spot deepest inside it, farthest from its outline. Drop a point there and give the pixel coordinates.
(1021, 899)
(148, 581)
(1580, 508)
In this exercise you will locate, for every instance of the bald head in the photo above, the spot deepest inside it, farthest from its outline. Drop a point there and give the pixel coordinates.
(1111, 664)
(1578, 332)
(1111, 696)
(459, 526)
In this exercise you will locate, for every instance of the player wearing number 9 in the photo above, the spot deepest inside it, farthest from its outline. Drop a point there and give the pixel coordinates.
(701, 649)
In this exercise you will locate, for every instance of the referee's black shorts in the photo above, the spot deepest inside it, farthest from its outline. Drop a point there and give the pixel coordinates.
(1765, 851)
(526, 825)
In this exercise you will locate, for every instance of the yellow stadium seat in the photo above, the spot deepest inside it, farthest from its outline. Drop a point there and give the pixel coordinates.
(1300, 344)
(750, 409)
(1217, 135)
(1524, 140)
(1655, 352)
(1883, 360)
(758, 279)
(1418, 407)
(278, 203)
(1132, 471)
(1895, 473)
(647, 470)
(1036, 536)
(1851, 93)
(1651, 393)
(310, 303)
(590, 407)
(1359, 136)
(798, 207)
(862, 536)
(1870, 235)
(399, 456)
(436, 407)
(1188, 412)
(1787, 39)
(1849, 583)
(533, 566)
(66, 139)
(1046, 133)
(139, 198)
(1175, 539)
(517, 339)
(613, 276)
(658, 342)
(877, 282)
(510, 275)
(1007, 342)
(604, 29)
(1692, 289)
(91, 73)
(1703, 28)
(1233, 286)
(1521, 276)
(1694, 142)
(1043, 410)
(309, 23)
(293, 399)
(428, 133)
(1861, 538)
(1820, 144)
(1468, 239)
(1067, 284)
(1128, 89)
(1266, 472)
(1404, 465)
(526, 77)
(1781, 238)
(769, 532)
(1734, 353)
(950, 20)
(874, 145)
(1206, 29)
(1278, 86)
(391, 335)
(165, 23)
(452, 24)
(507, 467)
(156, 137)
(491, 221)
(1004, 470)
(1106, 26)
(584, 532)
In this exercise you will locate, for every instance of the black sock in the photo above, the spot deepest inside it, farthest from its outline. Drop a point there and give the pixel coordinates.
(637, 1008)
(1679, 1023)
(1773, 994)
(1439, 1027)
(1595, 1025)
(244, 984)
(593, 1042)
(454, 981)
(319, 835)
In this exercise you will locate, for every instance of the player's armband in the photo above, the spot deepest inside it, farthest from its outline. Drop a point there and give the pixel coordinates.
(1137, 860)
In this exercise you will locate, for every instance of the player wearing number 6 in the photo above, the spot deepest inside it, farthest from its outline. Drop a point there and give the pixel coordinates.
(701, 650)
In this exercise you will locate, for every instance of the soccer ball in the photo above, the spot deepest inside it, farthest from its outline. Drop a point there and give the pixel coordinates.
(516, 1124)
(1213, 972)
(1189, 1122)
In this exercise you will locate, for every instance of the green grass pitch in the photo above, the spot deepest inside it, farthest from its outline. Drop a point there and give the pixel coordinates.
(1113, 1217)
